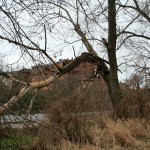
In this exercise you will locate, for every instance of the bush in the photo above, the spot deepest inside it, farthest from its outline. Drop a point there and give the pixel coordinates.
(68, 107)
(64, 122)
(135, 104)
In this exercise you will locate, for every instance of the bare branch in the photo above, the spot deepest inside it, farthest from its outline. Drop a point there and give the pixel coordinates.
(84, 40)
(136, 35)
(14, 99)
(141, 11)
(128, 25)
(31, 104)
(45, 38)
(11, 78)
(20, 44)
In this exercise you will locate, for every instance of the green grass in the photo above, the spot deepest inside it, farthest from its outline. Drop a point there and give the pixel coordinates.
(17, 140)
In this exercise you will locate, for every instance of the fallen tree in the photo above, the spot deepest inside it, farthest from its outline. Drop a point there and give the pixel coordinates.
(38, 85)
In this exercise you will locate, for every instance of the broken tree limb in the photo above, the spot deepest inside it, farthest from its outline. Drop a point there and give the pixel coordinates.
(26, 89)
(5, 75)
(30, 105)
(46, 82)
(14, 99)
(86, 56)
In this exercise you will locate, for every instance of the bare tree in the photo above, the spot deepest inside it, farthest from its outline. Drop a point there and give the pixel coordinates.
(94, 25)
(137, 37)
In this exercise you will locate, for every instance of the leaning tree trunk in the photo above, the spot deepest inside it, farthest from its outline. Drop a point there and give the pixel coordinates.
(114, 88)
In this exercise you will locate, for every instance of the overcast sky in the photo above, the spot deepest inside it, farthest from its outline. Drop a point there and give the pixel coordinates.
(58, 49)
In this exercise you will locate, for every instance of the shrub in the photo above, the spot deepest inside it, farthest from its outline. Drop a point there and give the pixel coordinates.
(135, 104)
(65, 123)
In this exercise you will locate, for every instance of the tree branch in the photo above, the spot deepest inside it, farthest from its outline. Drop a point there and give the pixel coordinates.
(141, 11)
(5, 75)
(84, 39)
(83, 57)
(14, 99)
(137, 35)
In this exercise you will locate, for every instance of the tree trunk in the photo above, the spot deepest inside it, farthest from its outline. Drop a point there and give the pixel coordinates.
(114, 88)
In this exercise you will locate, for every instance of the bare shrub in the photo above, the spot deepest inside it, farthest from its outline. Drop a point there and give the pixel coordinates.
(135, 104)
(65, 123)
(93, 95)
(69, 107)
(69, 123)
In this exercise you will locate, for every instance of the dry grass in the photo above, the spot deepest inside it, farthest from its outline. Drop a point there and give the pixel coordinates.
(122, 135)
(115, 135)
(138, 128)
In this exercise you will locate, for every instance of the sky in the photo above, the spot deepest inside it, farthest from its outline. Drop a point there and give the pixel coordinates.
(12, 57)
(61, 41)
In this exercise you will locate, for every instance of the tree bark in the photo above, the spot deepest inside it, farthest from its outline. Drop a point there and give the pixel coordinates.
(114, 89)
